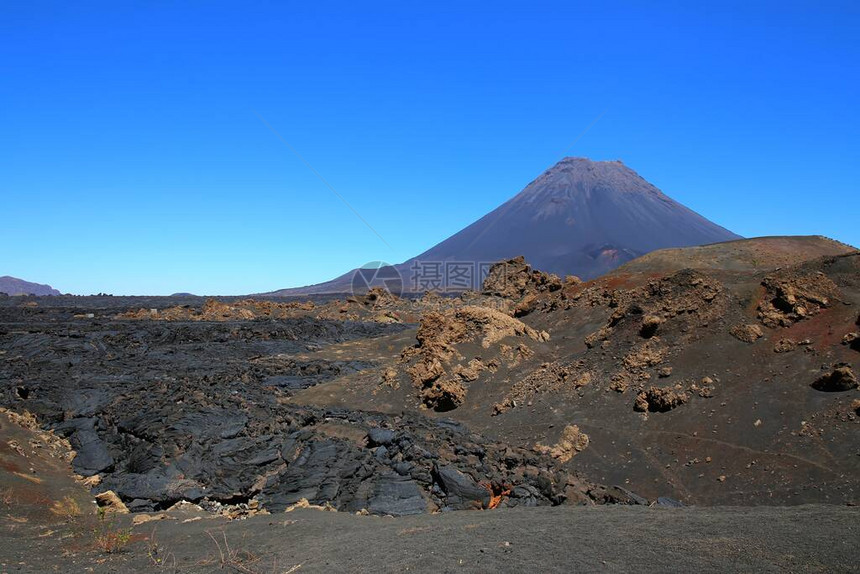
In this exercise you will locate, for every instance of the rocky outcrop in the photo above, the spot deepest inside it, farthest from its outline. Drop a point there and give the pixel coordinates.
(437, 368)
(660, 399)
(110, 502)
(377, 297)
(794, 295)
(784, 346)
(572, 442)
(462, 492)
(514, 279)
(840, 379)
(650, 324)
(748, 333)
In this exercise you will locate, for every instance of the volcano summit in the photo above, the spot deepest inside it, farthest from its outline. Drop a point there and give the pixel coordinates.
(580, 217)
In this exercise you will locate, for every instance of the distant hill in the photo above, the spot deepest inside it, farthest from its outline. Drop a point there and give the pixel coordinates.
(15, 286)
(580, 217)
(744, 256)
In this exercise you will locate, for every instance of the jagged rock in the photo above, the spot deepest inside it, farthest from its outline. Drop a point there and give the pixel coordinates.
(380, 437)
(842, 378)
(526, 305)
(747, 333)
(650, 323)
(379, 297)
(439, 385)
(669, 502)
(443, 396)
(616, 495)
(620, 382)
(153, 487)
(514, 278)
(660, 399)
(470, 372)
(784, 346)
(396, 495)
(593, 339)
(792, 296)
(635, 498)
(111, 502)
(92, 456)
(524, 495)
(462, 493)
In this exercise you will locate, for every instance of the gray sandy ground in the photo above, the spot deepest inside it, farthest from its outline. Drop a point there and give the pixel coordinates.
(561, 539)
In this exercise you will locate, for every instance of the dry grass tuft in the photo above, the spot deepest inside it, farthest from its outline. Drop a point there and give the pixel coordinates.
(67, 508)
(241, 560)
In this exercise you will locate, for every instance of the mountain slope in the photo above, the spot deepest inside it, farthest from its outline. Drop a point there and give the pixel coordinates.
(580, 217)
(15, 286)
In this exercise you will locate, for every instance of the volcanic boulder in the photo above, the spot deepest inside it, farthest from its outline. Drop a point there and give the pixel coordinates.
(842, 378)
(650, 323)
(660, 399)
(462, 492)
(747, 333)
(852, 340)
(514, 278)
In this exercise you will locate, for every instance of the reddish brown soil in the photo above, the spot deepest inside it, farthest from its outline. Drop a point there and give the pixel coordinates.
(752, 430)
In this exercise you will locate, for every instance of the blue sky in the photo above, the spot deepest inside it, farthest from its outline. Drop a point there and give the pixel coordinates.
(133, 160)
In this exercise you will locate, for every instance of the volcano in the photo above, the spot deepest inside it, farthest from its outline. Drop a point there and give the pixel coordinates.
(580, 217)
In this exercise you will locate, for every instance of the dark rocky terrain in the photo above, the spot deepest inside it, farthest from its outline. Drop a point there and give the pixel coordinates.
(579, 217)
(164, 411)
(717, 376)
(13, 286)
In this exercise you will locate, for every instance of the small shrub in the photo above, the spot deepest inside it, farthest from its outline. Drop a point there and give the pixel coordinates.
(110, 539)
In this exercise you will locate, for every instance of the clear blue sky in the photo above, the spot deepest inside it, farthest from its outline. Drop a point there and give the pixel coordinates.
(132, 161)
